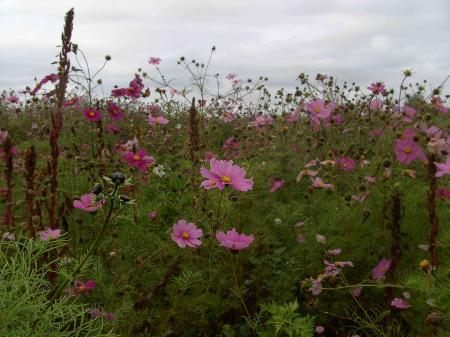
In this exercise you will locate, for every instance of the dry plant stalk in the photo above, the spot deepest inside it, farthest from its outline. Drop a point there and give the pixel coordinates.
(194, 135)
(30, 170)
(57, 113)
(432, 210)
(9, 215)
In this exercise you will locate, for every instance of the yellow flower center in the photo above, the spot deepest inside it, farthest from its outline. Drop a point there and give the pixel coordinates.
(185, 235)
(157, 119)
(212, 182)
(136, 157)
(317, 109)
(226, 179)
(407, 150)
(91, 113)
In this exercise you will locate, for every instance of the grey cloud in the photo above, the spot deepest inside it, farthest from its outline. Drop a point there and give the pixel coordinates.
(354, 40)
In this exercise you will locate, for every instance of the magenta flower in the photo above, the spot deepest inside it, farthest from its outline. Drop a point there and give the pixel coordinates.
(399, 303)
(223, 173)
(230, 144)
(80, 287)
(109, 316)
(186, 234)
(50, 234)
(233, 240)
(139, 159)
(443, 193)
(152, 215)
(407, 151)
(114, 129)
(114, 110)
(88, 203)
(276, 185)
(154, 60)
(71, 102)
(346, 164)
(377, 88)
(443, 168)
(381, 269)
(153, 120)
(92, 115)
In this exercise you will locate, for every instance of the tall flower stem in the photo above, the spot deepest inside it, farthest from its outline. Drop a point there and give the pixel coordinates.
(237, 291)
(92, 249)
(216, 224)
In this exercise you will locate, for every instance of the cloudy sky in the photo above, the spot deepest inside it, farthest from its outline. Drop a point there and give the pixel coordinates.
(354, 40)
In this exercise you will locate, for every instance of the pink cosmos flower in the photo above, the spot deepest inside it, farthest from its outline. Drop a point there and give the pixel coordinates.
(276, 185)
(437, 102)
(71, 102)
(223, 173)
(334, 252)
(310, 173)
(139, 159)
(13, 99)
(114, 110)
(333, 269)
(152, 215)
(407, 151)
(316, 287)
(80, 287)
(109, 316)
(233, 240)
(377, 88)
(318, 183)
(228, 117)
(376, 104)
(50, 234)
(443, 168)
(319, 329)
(153, 120)
(346, 164)
(186, 234)
(209, 155)
(154, 60)
(114, 129)
(262, 120)
(318, 108)
(231, 76)
(92, 115)
(88, 203)
(381, 269)
(293, 117)
(399, 303)
(408, 114)
(230, 144)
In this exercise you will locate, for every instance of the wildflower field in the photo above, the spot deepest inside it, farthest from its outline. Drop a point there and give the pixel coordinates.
(222, 208)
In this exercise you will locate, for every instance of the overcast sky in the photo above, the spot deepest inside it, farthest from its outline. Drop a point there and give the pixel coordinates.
(354, 40)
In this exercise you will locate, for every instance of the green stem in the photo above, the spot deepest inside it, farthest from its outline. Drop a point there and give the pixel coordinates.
(91, 249)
